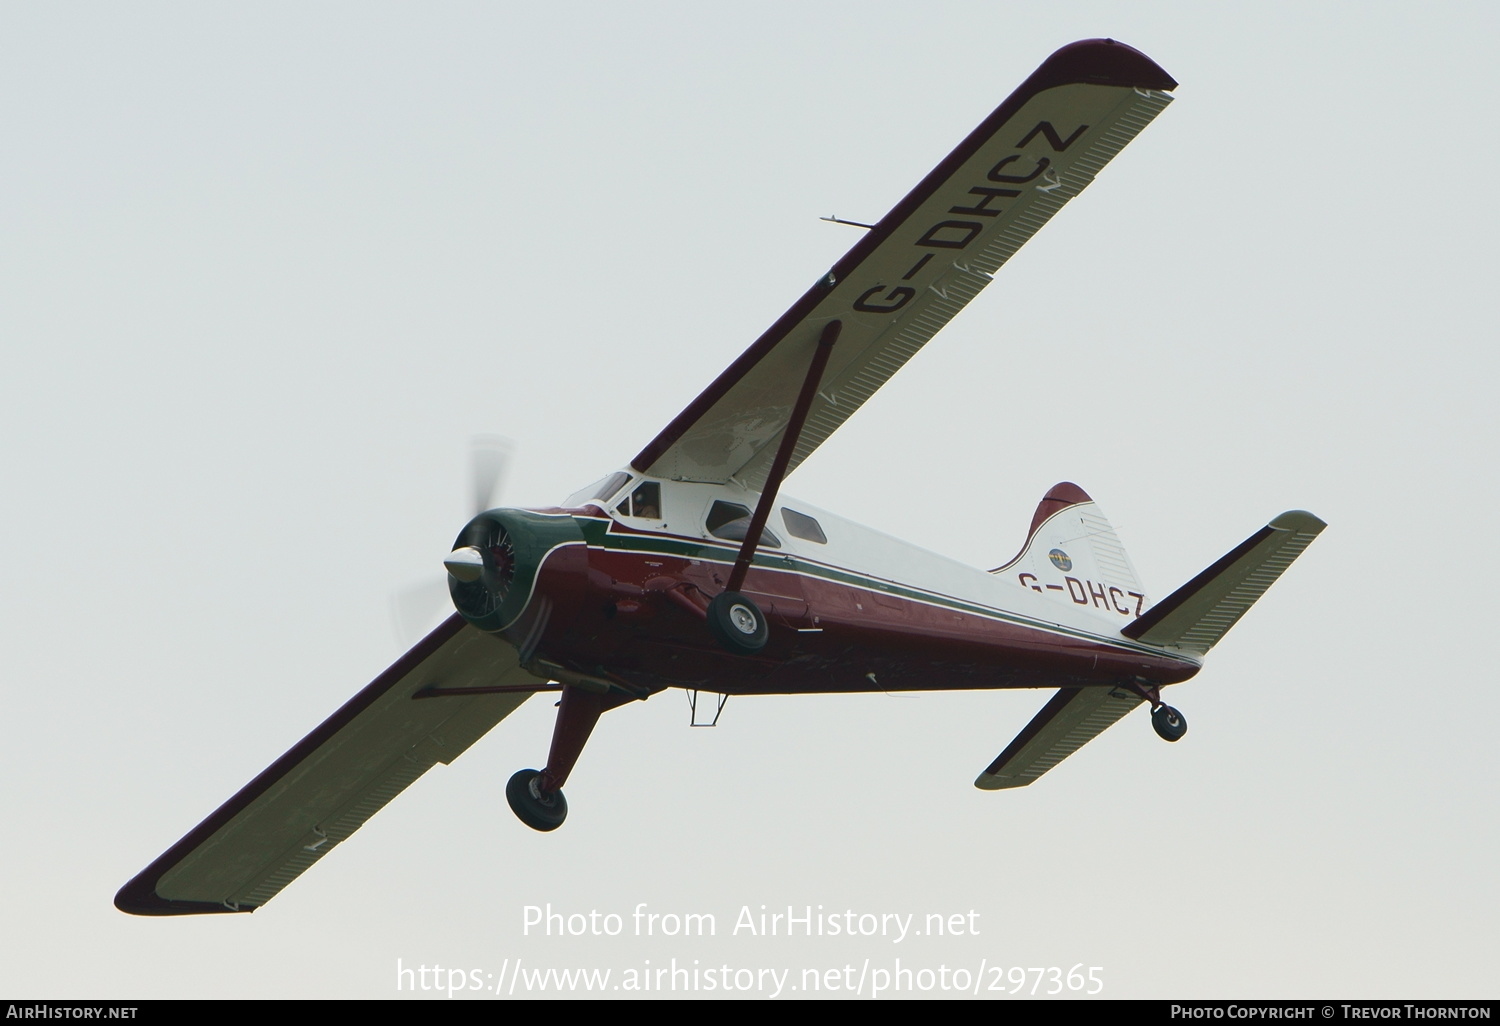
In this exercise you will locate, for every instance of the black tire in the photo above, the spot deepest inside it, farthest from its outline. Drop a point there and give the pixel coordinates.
(530, 807)
(737, 623)
(1170, 724)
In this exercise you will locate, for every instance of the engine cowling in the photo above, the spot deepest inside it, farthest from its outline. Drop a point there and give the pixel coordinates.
(492, 573)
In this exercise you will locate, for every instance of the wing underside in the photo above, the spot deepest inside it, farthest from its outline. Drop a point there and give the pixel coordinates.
(920, 265)
(336, 778)
(1194, 617)
(1071, 719)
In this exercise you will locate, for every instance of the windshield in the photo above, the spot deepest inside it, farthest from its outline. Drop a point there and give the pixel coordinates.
(600, 491)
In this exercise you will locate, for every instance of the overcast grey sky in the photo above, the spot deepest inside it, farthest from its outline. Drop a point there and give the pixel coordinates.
(266, 269)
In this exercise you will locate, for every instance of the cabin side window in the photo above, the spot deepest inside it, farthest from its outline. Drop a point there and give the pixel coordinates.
(800, 525)
(731, 521)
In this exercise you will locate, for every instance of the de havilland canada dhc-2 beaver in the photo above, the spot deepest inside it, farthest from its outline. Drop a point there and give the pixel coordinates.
(688, 569)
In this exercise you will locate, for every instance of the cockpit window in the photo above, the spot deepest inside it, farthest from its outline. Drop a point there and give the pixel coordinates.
(800, 525)
(645, 502)
(731, 521)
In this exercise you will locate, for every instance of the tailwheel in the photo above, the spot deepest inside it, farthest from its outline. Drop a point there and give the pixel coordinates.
(1170, 724)
(737, 623)
(538, 810)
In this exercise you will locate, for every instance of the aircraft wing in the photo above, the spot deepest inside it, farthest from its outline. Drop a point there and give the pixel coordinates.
(1071, 719)
(920, 265)
(337, 777)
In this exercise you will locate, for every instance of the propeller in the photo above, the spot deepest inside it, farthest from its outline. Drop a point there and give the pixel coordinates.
(490, 457)
(417, 608)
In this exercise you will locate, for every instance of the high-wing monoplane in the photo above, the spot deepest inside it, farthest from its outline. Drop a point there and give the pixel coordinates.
(688, 569)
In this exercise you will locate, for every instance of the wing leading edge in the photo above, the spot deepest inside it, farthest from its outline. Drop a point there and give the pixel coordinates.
(920, 265)
(336, 778)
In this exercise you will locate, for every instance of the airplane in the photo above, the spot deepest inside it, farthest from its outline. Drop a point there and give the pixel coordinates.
(687, 569)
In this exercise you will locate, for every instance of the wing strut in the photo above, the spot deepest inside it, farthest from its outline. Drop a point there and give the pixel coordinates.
(784, 454)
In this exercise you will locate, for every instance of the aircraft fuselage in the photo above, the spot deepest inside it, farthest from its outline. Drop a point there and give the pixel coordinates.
(621, 599)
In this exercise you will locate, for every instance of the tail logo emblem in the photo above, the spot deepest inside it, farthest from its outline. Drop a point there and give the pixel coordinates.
(1060, 559)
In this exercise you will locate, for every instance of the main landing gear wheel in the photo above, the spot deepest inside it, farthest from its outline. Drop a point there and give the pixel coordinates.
(1169, 723)
(737, 623)
(538, 811)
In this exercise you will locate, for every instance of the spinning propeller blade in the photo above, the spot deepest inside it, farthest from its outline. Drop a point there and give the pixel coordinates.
(490, 465)
(417, 608)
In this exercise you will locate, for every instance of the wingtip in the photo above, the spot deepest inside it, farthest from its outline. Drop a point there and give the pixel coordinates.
(1103, 62)
(139, 898)
(988, 782)
(1299, 520)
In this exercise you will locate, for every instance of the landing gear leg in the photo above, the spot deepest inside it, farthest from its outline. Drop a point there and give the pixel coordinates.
(536, 796)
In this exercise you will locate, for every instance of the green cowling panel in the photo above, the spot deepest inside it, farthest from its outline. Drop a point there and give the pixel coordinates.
(515, 543)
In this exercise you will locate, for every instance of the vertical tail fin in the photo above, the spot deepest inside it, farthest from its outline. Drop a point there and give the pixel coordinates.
(1073, 556)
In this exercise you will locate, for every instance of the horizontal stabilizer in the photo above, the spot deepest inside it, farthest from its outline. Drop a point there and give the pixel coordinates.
(1073, 718)
(1195, 616)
